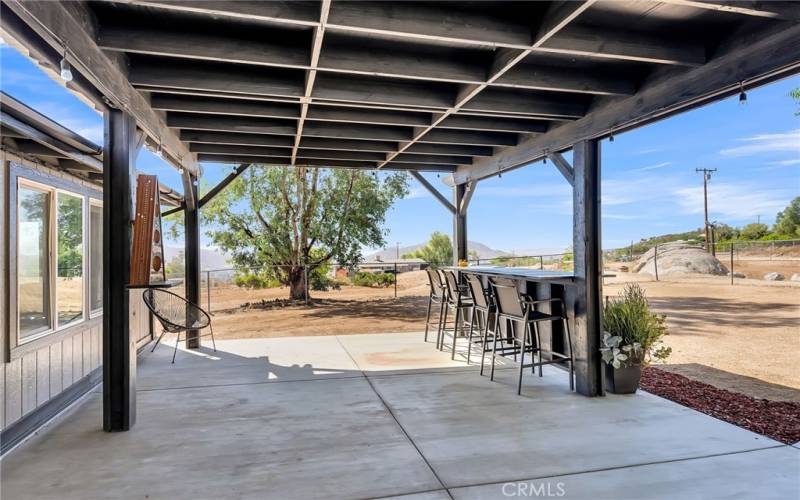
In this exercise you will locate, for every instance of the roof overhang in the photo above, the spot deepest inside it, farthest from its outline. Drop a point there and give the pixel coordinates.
(466, 88)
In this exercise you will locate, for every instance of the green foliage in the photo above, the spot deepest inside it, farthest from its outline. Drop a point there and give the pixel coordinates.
(634, 333)
(438, 251)
(795, 94)
(788, 221)
(379, 280)
(176, 266)
(255, 280)
(70, 236)
(725, 232)
(296, 217)
(754, 231)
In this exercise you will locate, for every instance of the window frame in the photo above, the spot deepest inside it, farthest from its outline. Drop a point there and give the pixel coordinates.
(93, 313)
(54, 251)
(26, 183)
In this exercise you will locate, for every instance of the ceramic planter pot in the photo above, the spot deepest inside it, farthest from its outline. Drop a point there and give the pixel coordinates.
(624, 380)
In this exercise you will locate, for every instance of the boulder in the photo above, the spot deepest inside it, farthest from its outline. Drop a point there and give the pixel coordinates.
(679, 258)
(738, 275)
(773, 276)
(795, 277)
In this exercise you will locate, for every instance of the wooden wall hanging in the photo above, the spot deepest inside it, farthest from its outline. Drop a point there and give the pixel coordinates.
(147, 254)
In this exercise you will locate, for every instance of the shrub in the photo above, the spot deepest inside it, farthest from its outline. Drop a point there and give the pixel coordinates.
(634, 334)
(364, 278)
(255, 281)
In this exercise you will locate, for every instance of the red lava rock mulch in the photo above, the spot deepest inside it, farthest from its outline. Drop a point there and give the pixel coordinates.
(779, 420)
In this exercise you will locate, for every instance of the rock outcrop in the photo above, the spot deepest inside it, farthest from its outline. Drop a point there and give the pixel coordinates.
(679, 258)
(773, 277)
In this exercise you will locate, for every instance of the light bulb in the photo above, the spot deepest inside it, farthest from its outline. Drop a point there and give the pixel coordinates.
(66, 71)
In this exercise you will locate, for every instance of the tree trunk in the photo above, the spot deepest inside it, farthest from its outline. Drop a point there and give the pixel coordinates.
(297, 284)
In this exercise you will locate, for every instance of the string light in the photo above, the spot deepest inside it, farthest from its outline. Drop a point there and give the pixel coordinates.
(742, 94)
(611, 137)
(66, 70)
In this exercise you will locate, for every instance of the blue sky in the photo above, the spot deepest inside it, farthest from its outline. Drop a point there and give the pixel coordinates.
(649, 187)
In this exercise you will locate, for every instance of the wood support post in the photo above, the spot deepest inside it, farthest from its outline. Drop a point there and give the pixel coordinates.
(192, 255)
(588, 267)
(119, 350)
(459, 224)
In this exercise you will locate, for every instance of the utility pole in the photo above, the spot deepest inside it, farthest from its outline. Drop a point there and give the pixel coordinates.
(758, 219)
(398, 251)
(706, 177)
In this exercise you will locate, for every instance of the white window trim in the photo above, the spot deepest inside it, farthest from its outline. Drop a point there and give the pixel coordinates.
(93, 313)
(52, 192)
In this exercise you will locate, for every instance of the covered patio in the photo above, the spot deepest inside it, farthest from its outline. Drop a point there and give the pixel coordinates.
(469, 90)
(372, 416)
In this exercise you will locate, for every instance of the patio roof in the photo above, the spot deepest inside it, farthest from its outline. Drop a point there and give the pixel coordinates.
(470, 88)
(374, 416)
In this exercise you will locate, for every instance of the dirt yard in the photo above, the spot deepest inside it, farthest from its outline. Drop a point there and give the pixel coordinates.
(744, 338)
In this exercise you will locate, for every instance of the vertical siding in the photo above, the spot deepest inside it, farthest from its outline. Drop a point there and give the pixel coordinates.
(30, 378)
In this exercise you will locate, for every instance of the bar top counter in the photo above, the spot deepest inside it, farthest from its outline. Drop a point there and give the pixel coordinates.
(518, 272)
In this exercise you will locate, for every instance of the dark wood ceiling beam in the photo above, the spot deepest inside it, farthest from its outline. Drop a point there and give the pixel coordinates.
(216, 106)
(449, 149)
(243, 124)
(557, 16)
(527, 103)
(622, 45)
(754, 57)
(285, 12)
(388, 92)
(311, 74)
(435, 159)
(468, 122)
(214, 137)
(61, 24)
(377, 117)
(193, 75)
(229, 149)
(269, 160)
(533, 77)
(431, 23)
(353, 131)
(446, 136)
(771, 9)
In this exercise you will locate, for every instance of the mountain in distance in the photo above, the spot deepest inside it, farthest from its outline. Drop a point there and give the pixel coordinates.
(389, 254)
(210, 258)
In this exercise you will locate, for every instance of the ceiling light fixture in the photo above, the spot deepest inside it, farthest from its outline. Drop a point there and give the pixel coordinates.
(66, 70)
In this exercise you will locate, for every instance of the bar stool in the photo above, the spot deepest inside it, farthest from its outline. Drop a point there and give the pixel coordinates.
(520, 310)
(457, 299)
(483, 311)
(437, 296)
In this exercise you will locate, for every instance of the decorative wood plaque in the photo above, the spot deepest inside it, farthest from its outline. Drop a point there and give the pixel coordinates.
(147, 254)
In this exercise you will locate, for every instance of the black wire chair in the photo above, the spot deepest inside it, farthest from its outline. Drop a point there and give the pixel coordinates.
(176, 315)
(437, 296)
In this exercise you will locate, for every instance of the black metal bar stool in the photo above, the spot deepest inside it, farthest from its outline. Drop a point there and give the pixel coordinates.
(520, 310)
(457, 299)
(483, 311)
(437, 296)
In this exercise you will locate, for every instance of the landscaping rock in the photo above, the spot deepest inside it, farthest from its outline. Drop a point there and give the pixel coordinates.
(738, 275)
(795, 277)
(680, 258)
(773, 277)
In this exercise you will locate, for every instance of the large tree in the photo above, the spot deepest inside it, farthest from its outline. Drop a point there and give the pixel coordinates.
(298, 219)
(437, 252)
(788, 221)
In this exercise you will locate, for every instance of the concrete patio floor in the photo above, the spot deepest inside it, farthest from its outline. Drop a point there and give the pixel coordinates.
(385, 415)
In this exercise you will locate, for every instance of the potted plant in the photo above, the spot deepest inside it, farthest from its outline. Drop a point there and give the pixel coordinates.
(632, 338)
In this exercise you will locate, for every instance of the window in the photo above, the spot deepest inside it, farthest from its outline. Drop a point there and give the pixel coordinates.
(33, 261)
(95, 257)
(69, 277)
(58, 243)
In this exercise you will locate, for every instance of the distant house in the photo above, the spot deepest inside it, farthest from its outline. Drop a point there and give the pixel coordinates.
(377, 267)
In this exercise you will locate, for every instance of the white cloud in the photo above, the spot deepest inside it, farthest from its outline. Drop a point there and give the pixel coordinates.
(786, 163)
(550, 189)
(766, 143)
(418, 192)
(653, 167)
(732, 201)
(622, 216)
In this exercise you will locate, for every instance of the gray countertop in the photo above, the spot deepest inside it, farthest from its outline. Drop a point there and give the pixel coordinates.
(517, 272)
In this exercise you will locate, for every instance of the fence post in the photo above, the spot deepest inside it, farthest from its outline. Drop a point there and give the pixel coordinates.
(731, 263)
(541, 262)
(395, 280)
(208, 290)
(655, 260)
